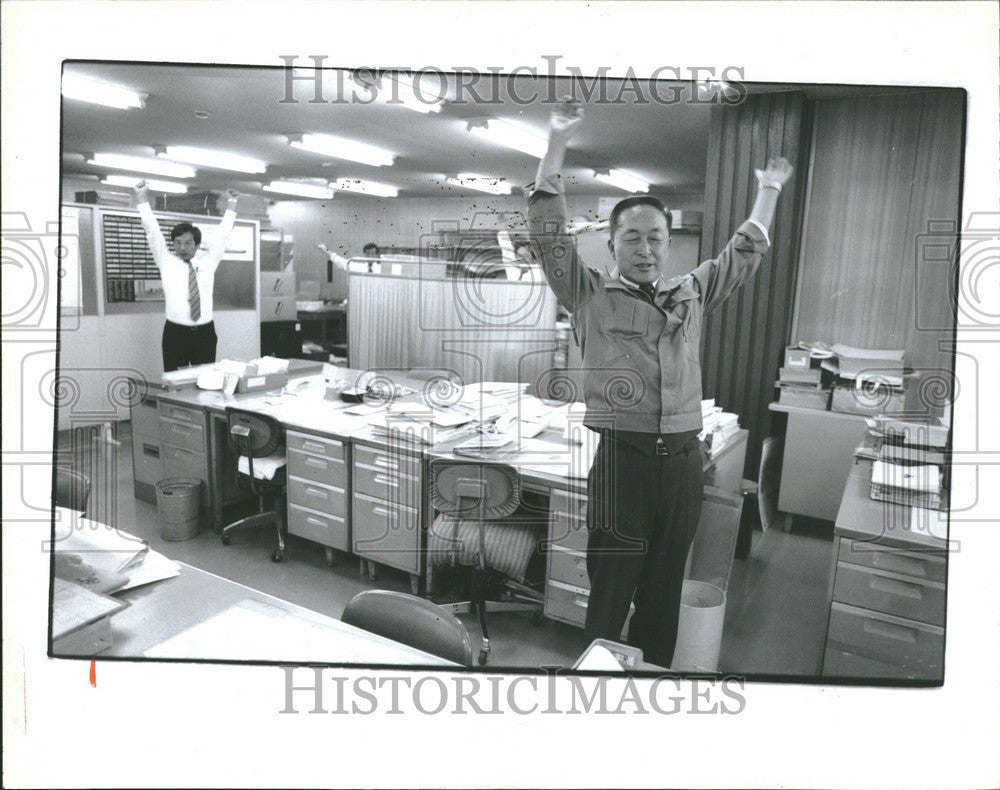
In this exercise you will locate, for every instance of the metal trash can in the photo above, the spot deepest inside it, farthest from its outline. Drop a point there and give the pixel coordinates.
(178, 500)
(699, 630)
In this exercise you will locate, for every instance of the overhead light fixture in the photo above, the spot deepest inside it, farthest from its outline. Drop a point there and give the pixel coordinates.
(622, 180)
(157, 186)
(206, 157)
(494, 186)
(342, 148)
(76, 86)
(299, 189)
(140, 164)
(511, 135)
(408, 93)
(366, 187)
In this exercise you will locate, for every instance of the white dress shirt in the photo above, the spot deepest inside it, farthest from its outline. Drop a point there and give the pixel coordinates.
(174, 270)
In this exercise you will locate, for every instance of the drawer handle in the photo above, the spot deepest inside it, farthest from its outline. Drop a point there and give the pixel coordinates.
(181, 429)
(889, 631)
(887, 561)
(386, 480)
(581, 603)
(381, 511)
(385, 463)
(316, 491)
(581, 565)
(151, 449)
(316, 521)
(316, 462)
(895, 587)
(181, 414)
(309, 445)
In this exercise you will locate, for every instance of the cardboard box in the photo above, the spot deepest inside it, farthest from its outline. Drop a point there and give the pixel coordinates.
(251, 382)
(805, 398)
(850, 400)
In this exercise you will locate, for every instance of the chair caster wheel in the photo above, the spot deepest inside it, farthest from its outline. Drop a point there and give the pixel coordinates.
(483, 656)
(225, 540)
(277, 556)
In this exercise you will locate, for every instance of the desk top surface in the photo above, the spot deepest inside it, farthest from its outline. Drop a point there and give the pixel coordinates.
(864, 518)
(199, 615)
(548, 460)
(820, 413)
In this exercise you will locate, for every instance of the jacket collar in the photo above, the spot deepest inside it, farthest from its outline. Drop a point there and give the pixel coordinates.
(678, 289)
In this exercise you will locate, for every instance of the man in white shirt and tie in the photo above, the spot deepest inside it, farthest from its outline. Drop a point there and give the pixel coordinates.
(188, 276)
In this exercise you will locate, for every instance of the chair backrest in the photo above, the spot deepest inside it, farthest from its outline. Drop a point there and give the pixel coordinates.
(72, 489)
(253, 434)
(411, 620)
(474, 489)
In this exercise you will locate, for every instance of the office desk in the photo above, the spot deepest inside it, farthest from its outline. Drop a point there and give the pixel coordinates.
(353, 491)
(887, 590)
(199, 615)
(819, 448)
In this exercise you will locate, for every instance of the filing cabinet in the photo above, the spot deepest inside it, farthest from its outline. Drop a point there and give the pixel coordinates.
(184, 445)
(386, 508)
(147, 459)
(317, 490)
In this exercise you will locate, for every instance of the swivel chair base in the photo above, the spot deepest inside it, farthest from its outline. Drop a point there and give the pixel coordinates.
(256, 520)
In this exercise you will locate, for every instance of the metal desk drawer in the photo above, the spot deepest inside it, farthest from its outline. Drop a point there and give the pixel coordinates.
(182, 413)
(566, 602)
(147, 460)
(387, 461)
(386, 534)
(565, 529)
(178, 462)
(925, 566)
(330, 500)
(889, 593)
(388, 485)
(322, 528)
(187, 435)
(145, 417)
(315, 445)
(911, 646)
(328, 471)
(568, 566)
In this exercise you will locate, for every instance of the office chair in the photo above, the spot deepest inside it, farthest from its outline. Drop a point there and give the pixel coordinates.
(72, 489)
(473, 497)
(413, 621)
(257, 436)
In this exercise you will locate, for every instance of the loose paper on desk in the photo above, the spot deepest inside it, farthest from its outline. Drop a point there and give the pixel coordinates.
(910, 478)
(929, 522)
(73, 607)
(599, 659)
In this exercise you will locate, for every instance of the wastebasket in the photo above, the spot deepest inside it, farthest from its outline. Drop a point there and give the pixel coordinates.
(179, 501)
(699, 630)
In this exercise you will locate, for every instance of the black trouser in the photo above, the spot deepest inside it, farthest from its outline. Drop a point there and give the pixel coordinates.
(188, 345)
(642, 515)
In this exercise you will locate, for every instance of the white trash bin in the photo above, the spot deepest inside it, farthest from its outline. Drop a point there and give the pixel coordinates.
(699, 630)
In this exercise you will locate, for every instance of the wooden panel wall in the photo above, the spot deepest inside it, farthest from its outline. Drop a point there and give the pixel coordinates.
(743, 341)
(485, 330)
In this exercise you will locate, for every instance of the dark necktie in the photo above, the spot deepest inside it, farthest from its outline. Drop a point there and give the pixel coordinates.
(648, 289)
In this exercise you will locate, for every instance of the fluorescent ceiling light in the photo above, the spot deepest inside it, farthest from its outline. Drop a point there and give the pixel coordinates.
(410, 91)
(140, 164)
(625, 181)
(206, 157)
(494, 186)
(342, 148)
(367, 187)
(75, 86)
(299, 189)
(157, 186)
(512, 135)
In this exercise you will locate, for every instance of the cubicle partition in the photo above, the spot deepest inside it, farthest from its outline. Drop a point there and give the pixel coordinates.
(484, 330)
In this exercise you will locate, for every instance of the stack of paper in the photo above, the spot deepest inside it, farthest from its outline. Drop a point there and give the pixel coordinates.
(81, 619)
(718, 426)
(907, 484)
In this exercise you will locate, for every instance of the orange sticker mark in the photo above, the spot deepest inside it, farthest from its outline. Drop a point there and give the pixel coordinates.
(93, 673)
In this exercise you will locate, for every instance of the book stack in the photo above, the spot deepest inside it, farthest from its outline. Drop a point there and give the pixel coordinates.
(802, 382)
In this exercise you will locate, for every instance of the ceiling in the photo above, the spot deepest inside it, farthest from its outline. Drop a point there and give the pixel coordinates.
(662, 143)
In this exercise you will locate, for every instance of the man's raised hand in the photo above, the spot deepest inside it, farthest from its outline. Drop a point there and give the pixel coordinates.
(141, 190)
(778, 171)
(565, 117)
